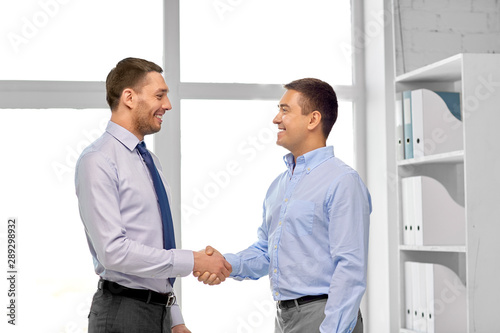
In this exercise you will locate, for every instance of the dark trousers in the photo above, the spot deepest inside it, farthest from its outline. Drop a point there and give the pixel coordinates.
(118, 314)
(306, 318)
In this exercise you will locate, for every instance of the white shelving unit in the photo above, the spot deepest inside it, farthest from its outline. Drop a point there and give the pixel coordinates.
(472, 176)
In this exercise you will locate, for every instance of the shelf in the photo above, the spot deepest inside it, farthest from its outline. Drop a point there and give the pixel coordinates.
(449, 69)
(405, 330)
(451, 157)
(433, 248)
(466, 174)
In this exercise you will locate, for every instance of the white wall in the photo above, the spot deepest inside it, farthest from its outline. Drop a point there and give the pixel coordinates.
(430, 30)
(379, 66)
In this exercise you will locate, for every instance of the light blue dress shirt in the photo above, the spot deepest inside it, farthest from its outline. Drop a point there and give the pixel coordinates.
(314, 237)
(121, 216)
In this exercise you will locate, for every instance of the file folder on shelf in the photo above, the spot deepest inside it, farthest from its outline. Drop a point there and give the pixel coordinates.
(436, 297)
(407, 127)
(400, 138)
(408, 207)
(436, 122)
(419, 297)
(409, 294)
(430, 215)
(446, 300)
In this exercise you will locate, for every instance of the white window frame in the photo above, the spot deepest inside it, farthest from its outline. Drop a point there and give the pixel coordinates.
(91, 94)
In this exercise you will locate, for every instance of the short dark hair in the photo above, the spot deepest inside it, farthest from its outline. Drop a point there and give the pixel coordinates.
(317, 95)
(128, 73)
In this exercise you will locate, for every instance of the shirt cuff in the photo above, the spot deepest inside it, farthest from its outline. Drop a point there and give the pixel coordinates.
(176, 315)
(183, 263)
(234, 260)
(353, 325)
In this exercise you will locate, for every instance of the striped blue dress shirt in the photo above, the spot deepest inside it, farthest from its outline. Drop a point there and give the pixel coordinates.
(314, 237)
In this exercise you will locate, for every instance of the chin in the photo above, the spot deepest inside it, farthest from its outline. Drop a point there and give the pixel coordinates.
(156, 128)
(281, 145)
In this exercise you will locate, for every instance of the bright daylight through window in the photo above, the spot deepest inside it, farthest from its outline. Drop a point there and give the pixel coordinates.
(228, 151)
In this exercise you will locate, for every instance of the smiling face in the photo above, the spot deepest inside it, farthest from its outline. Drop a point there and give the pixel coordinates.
(152, 103)
(292, 124)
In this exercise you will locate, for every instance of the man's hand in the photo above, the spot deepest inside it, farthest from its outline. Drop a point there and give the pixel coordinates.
(210, 261)
(207, 278)
(180, 329)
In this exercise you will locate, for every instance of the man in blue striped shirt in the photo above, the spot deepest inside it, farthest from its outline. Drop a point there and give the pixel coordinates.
(313, 242)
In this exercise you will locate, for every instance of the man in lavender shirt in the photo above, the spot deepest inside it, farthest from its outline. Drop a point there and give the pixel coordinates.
(121, 215)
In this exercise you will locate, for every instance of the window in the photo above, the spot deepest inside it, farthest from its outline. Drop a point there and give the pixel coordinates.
(263, 41)
(77, 40)
(38, 188)
(225, 64)
(37, 175)
(45, 41)
(234, 57)
(229, 158)
(224, 179)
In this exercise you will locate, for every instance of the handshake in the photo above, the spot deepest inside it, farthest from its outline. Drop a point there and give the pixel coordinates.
(210, 266)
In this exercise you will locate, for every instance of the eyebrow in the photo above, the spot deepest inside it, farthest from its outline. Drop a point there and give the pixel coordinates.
(282, 105)
(162, 91)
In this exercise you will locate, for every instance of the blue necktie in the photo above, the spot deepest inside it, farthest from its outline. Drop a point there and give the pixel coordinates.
(166, 215)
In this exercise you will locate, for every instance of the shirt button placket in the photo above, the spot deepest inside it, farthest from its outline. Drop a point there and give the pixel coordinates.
(275, 247)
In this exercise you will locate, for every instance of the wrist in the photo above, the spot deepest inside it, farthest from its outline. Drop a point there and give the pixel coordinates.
(183, 263)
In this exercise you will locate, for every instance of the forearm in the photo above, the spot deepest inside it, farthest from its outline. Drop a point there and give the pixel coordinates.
(252, 263)
(135, 259)
(346, 290)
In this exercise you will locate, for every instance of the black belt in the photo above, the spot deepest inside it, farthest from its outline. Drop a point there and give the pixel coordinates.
(300, 301)
(147, 296)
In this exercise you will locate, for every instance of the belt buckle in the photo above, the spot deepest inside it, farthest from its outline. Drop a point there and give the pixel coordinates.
(170, 300)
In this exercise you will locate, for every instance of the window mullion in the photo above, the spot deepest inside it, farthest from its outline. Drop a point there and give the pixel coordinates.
(52, 94)
(243, 91)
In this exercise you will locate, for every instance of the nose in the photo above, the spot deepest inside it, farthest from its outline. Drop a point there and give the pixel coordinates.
(166, 105)
(277, 118)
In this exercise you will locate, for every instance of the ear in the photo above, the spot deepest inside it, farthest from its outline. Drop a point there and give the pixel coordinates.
(314, 120)
(128, 97)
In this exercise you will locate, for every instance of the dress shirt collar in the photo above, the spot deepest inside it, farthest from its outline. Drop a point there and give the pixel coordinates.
(121, 134)
(310, 159)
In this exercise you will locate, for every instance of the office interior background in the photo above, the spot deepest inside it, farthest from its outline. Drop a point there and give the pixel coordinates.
(225, 62)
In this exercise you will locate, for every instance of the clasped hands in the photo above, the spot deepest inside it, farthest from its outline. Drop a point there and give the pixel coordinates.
(210, 266)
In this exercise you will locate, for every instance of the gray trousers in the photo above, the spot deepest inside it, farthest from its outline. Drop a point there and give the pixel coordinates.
(306, 318)
(118, 314)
